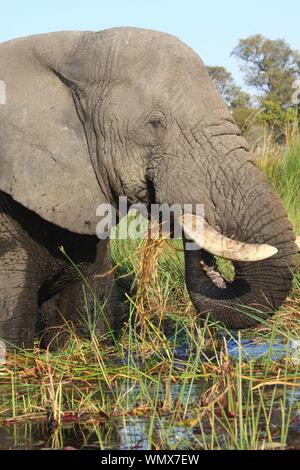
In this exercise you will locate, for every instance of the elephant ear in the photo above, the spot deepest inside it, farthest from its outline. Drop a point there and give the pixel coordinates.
(44, 159)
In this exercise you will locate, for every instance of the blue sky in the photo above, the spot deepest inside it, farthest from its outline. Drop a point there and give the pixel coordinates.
(212, 28)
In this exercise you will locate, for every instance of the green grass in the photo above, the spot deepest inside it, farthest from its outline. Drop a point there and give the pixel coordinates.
(283, 173)
(165, 382)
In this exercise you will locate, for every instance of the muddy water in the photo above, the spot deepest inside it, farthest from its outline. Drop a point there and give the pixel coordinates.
(133, 432)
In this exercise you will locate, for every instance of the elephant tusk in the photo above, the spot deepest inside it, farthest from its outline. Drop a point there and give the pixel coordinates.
(221, 246)
(298, 243)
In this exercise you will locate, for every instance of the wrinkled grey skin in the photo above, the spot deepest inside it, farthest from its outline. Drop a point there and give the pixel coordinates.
(93, 116)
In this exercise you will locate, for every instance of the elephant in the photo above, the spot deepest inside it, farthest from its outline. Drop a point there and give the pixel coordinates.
(93, 116)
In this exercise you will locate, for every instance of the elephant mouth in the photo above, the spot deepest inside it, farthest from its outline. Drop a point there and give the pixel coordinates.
(209, 267)
(217, 286)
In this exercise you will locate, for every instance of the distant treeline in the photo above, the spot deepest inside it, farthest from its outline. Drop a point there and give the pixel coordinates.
(272, 69)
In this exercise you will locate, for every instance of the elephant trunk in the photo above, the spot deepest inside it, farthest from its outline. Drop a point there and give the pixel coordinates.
(252, 214)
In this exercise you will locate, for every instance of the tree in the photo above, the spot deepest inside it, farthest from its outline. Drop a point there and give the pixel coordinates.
(238, 100)
(270, 66)
(223, 81)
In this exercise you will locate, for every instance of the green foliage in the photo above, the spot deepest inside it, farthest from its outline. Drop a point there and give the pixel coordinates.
(270, 66)
(223, 81)
(236, 99)
(277, 119)
(283, 173)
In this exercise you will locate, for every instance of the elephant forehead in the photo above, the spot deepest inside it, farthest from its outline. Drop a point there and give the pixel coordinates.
(159, 63)
(133, 100)
(136, 96)
(147, 52)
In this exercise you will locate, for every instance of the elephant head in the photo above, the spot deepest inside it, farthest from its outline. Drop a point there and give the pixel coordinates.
(93, 116)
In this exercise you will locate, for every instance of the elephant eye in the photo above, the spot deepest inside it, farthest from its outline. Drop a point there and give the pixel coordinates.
(158, 121)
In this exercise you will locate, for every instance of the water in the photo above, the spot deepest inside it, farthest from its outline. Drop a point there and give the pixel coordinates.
(250, 349)
(132, 432)
(119, 433)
